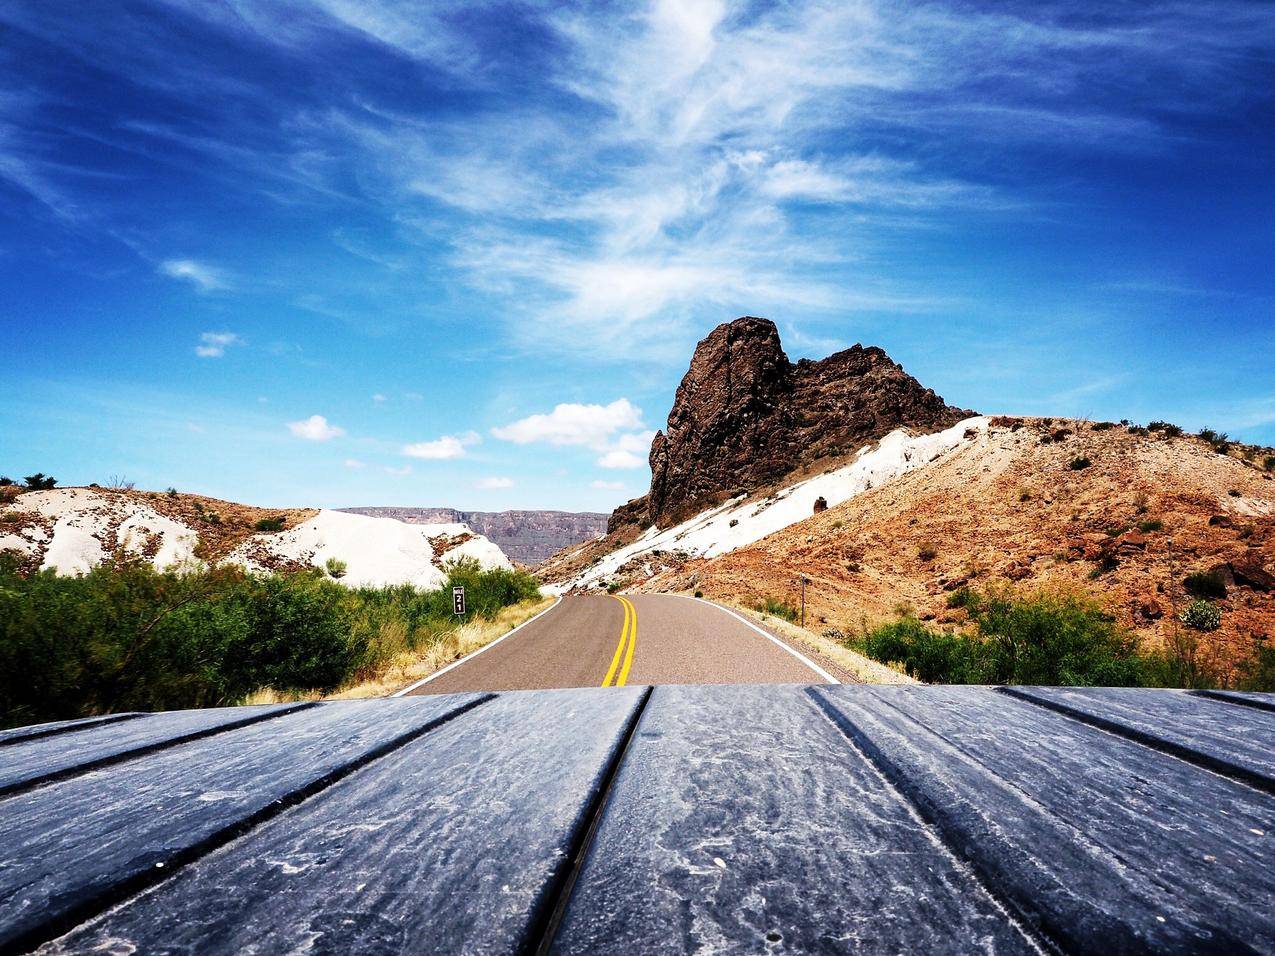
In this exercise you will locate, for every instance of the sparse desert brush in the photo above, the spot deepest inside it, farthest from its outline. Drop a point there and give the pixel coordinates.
(1154, 524)
(336, 568)
(1024, 494)
(171, 492)
(777, 607)
(1205, 584)
(1079, 463)
(1138, 430)
(1201, 616)
(39, 482)
(1039, 637)
(1140, 500)
(927, 552)
(1165, 428)
(9, 494)
(270, 524)
(1103, 426)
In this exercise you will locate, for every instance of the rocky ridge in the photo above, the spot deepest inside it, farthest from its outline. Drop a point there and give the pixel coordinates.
(744, 416)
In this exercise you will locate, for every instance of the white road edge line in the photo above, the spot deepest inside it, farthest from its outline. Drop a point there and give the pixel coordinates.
(473, 654)
(770, 637)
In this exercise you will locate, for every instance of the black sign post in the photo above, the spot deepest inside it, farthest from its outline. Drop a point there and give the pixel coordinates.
(458, 600)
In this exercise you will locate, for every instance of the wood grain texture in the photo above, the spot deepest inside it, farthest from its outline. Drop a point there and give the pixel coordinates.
(76, 846)
(450, 844)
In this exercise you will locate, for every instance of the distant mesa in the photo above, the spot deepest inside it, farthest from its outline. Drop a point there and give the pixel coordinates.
(527, 537)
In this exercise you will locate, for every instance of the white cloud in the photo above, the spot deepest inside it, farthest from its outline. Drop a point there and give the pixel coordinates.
(491, 483)
(354, 463)
(608, 485)
(593, 426)
(620, 459)
(442, 449)
(378, 398)
(398, 472)
(214, 344)
(315, 428)
(203, 277)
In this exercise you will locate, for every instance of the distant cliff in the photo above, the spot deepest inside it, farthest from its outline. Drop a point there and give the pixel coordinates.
(525, 536)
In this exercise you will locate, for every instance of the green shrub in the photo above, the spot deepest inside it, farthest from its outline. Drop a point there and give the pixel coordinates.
(1269, 463)
(39, 481)
(5, 481)
(336, 568)
(1201, 616)
(776, 607)
(614, 586)
(699, 594)
(270, 524)
(1078, 463)
(1037, 638)
(1172, 431)
(127, 637)
(1103, 426)
(1154, 524)
(1205, 584)
(1208, 435)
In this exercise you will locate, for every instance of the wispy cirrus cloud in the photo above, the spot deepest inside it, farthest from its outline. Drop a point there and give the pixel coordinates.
(214, 344)
(203, 277)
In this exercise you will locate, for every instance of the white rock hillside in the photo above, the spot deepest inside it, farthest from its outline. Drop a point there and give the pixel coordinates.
(73, 529)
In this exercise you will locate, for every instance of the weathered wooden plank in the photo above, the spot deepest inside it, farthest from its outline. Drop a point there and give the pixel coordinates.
(1104, 844)
(1243, 698)
(1235, 741)
(741, 821)
(69, 850)
(33, 731)
(32, 763)
(456, 842)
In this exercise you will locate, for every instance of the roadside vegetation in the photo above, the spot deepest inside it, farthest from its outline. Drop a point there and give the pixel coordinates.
(1057, 638)
(127, 637)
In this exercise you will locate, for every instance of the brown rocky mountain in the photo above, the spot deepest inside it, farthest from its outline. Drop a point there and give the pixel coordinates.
(745, 416)
(526, 536)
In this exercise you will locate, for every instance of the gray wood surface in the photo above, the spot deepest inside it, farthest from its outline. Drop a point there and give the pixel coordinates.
(52, 758)
(79, 845)
(1235, 741)
(741, 822)
(728, 819)
(15, 734)
(1104, 844)
(452, 843)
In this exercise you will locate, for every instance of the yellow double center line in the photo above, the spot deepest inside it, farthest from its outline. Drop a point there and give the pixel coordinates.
(618, 673)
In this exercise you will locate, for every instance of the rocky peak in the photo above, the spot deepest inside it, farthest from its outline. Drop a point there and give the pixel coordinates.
(744, 416)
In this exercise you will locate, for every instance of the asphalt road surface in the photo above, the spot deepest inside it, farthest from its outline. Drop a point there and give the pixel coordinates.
(613, 641)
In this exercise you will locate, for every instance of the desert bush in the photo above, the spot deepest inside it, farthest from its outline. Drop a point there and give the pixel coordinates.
(926, 552)
(39, 482)
(1201, 615)
(1036, 638)
(1154, 524)
(1205, 584)
(336, 568)
(127, 637)
(699, 594)
(1103, 426)
(1078, 463)
(1208, 435)
(270, 524)
(1269, 463)
(776, 607)
(8, 494)
(5, 481)
(171, 492)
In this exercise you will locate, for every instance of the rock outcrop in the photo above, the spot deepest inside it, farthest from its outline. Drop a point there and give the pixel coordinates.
(745, 416)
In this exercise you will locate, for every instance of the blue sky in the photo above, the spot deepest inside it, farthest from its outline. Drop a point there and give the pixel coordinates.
(340, 252)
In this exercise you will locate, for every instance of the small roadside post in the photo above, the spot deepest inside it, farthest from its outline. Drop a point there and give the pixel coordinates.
(804, 581)
(458, 601)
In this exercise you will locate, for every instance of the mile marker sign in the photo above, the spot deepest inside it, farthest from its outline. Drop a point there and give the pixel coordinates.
(458, 600)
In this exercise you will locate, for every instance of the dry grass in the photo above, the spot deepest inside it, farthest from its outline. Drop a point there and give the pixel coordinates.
(864, 668)
(411, 666)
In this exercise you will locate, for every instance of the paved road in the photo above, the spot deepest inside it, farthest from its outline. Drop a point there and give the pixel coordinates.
(611, 641)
